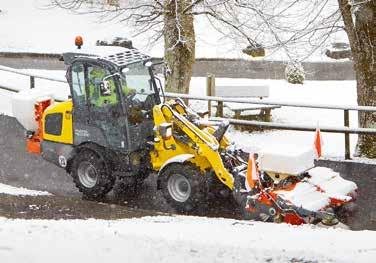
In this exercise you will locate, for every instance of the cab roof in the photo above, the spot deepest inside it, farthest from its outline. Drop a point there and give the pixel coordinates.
(117, 55)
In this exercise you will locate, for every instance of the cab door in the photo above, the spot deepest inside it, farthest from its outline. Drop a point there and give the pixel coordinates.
(97, 113)
(80, 109)
(104, 104)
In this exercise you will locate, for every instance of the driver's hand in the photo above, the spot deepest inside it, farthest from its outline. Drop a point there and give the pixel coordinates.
(129, 91)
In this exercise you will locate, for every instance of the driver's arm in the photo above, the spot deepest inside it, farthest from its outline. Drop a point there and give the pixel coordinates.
(128, 91)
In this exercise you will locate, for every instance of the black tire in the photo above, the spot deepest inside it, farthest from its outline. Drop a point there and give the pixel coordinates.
(188, 177)
(90, 162)
(218, 192)
(346, 212)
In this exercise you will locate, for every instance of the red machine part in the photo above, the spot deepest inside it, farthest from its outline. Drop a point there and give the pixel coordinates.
(293, 218)
(289, 218)
(34, 140)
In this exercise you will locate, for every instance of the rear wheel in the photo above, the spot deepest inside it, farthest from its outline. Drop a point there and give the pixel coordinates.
(184, 187)
(91, 175)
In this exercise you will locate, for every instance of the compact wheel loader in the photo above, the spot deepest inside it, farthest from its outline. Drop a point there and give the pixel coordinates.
(116, 128)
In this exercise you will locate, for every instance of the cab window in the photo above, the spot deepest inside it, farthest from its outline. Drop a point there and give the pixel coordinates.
(135, 80)
(102, 88)
(78, 85)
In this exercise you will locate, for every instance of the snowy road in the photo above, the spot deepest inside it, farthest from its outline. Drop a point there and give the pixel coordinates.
(19, 168)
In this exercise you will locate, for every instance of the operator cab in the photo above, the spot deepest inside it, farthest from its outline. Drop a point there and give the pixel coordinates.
(113, 93)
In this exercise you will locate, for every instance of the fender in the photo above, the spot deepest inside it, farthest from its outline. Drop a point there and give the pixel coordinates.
(181, 158)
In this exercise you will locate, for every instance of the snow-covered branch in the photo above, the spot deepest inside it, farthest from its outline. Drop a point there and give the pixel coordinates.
(272, 24)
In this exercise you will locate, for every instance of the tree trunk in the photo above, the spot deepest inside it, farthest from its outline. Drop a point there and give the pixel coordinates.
(361, 30)
(179, 38)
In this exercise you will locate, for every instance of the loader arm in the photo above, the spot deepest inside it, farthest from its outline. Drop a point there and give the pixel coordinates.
(203, 144)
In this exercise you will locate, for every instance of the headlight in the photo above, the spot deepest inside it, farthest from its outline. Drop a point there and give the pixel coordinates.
(165, 130)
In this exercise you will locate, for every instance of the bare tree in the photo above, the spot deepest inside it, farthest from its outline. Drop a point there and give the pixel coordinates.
(270, 24)
(359, 17)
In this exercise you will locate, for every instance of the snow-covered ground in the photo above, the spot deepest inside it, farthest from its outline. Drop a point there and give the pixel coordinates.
(179, 239)
(29, 26)
(11, 190)
(319, 92)
(313, 92)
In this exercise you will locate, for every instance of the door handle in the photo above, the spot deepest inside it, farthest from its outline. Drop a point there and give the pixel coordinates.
(115, 114)
(68, 114)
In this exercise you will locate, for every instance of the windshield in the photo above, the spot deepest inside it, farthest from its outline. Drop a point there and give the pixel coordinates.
(135, 80)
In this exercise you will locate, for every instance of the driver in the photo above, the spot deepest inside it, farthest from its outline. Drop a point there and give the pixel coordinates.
(97, 93)
(97, 89)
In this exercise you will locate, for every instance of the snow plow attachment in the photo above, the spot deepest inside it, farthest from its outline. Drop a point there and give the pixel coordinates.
(271, 191)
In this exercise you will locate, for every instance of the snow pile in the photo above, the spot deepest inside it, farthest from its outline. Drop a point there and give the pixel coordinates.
(331, 182)
(179, 239)
(11, 190)
(305, 195)
(314, 193)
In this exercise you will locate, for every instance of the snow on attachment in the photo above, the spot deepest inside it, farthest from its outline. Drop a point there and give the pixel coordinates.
(286, 159)
(332, 183)
(317, 191)
(305, 195)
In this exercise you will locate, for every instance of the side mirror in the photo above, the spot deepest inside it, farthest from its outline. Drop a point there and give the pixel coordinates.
(124, 70)
(104, 87)
(148, 64)
(159, 83)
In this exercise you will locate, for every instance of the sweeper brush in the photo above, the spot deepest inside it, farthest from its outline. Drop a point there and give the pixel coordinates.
(312, 196)
(115, 127)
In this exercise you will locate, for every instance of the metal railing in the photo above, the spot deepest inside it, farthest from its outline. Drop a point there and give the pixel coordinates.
(346, 130)
(31, 76)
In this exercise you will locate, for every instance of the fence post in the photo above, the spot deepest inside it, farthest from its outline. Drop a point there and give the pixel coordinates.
(209, 89)
(211, 92)
(347, 135)
(32, 82)
(220, 109)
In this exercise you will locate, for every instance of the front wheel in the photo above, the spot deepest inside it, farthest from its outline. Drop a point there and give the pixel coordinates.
(91, 175)
(184, 187)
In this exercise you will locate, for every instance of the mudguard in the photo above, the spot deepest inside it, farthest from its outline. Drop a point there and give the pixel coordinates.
(181, 158)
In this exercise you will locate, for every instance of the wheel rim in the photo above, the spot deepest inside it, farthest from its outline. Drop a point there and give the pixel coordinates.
(179, 187)
(87, 174)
